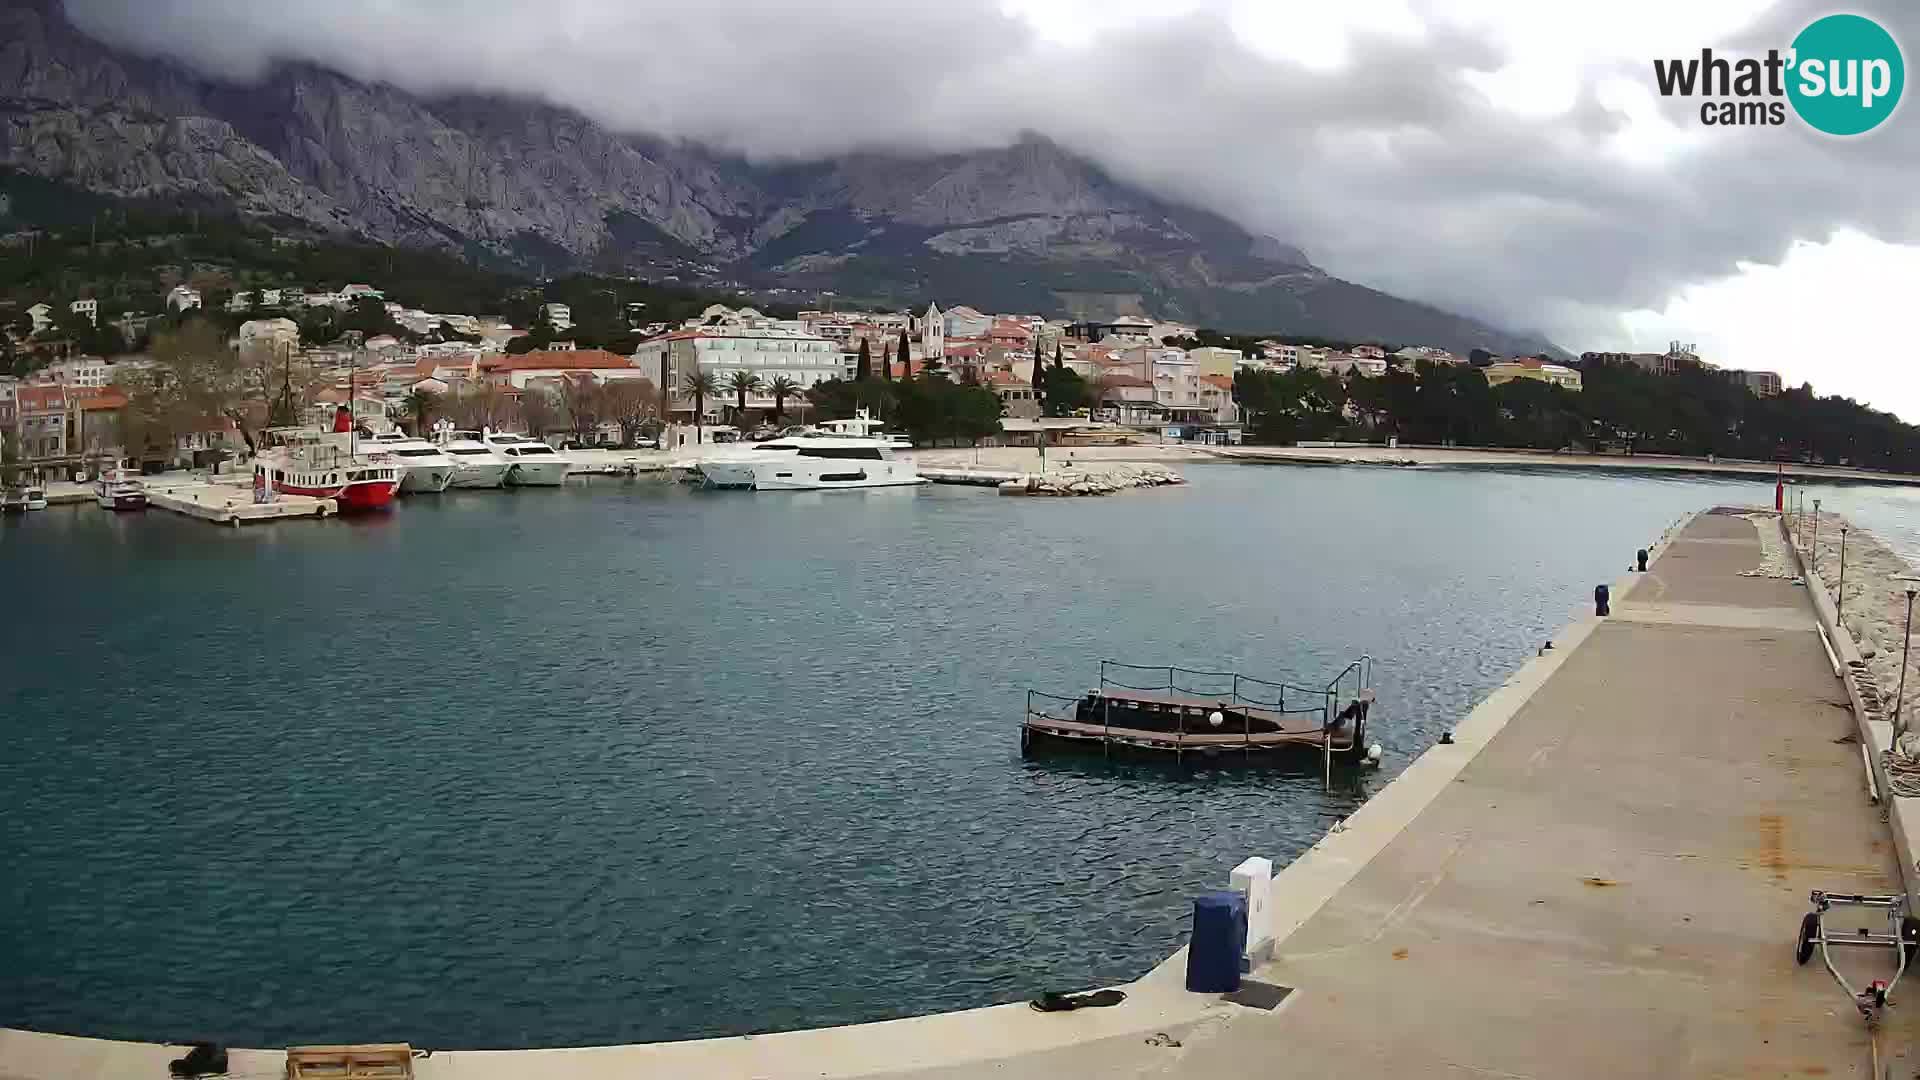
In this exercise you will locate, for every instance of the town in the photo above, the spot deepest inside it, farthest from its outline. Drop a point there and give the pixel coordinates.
(82, 392)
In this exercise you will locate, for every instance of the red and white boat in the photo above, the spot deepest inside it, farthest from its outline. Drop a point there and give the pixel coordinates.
(325, 465)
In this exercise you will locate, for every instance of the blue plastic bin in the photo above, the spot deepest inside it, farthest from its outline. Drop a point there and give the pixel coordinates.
(1219, 937)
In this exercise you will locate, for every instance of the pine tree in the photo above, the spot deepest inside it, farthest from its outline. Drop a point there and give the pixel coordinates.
(863, 370)
(906, 357)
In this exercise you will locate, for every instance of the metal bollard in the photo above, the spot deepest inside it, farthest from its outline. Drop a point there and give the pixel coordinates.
(1600, 600)
(1643, 560)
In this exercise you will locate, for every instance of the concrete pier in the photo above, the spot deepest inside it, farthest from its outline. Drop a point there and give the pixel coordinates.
(1601, 876)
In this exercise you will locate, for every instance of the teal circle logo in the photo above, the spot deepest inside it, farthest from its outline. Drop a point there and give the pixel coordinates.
(1846, 74)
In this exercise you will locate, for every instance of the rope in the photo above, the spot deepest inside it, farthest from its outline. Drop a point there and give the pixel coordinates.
(1903, 773)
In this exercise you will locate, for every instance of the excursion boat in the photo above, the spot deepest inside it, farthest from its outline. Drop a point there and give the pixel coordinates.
(423, 466)
(325, 466)
(530, 462)
(116, 489)
(36, 498)
(475, 465)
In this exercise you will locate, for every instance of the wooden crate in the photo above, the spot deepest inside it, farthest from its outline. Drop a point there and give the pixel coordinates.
(368, 1061)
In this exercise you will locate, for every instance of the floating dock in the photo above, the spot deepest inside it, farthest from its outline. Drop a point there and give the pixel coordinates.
(225, 504)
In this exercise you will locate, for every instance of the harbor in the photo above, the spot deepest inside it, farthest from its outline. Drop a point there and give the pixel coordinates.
(1616, 844)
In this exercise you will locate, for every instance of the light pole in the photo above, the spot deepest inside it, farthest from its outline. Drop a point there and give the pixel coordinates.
(1840, 590)
(1900, 695)
(1813, 549)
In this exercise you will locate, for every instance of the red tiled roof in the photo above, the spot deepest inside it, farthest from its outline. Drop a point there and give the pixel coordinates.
(42, 398)
(108, 397)
(1124, 380)
(1224, 382)
(1005, 378)
(578, 359)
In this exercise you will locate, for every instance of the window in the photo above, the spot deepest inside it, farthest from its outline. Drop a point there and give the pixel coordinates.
(862, 453)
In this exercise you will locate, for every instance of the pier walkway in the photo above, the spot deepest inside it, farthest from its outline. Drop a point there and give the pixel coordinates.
(1610, 884)
(1601, 877)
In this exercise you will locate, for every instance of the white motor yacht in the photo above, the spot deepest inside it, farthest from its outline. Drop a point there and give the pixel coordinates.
(817, 463)
(475, 465)
(530, 462)
(423, 466)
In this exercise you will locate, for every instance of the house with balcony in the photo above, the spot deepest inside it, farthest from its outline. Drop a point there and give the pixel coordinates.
(183, 298)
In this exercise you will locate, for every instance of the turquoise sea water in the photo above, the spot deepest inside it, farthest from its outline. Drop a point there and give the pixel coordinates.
(627, 762)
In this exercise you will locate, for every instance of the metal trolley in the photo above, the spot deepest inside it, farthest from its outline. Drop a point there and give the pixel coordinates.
(1902, 936)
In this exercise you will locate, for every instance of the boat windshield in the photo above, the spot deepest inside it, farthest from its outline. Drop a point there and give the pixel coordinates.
(534, 448)
(425, 451)
(467, 451)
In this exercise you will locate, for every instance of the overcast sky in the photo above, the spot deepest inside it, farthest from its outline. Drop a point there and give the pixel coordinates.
(1507, 158)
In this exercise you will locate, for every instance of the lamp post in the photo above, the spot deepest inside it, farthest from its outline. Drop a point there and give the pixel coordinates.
(1840, 590)
(1900, 695)
(1813, 549)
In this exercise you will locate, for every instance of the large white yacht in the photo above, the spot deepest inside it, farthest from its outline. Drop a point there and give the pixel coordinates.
(843, 454)
(475, 465)
(423, 467)
(531, 463)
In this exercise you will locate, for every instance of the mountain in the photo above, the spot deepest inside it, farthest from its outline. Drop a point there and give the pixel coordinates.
(1028, 227)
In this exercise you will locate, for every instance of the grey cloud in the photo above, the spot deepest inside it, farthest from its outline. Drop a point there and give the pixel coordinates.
(1392, 171)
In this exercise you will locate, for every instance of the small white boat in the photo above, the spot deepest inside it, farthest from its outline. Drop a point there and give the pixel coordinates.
(531, 463)
(423, 466)
(475, 465)
(116, 489)
(36, 498)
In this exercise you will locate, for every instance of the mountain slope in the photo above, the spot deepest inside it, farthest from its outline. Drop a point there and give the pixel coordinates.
(1025, 227)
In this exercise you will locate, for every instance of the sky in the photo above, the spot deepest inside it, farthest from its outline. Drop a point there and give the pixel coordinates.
(1509, 159)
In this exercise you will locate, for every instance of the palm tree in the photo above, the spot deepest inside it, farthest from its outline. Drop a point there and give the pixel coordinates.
(698, 385)
(742, 383)
(780, 387)
(420, 404)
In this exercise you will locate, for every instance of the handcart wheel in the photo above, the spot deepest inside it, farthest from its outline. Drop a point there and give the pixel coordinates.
(1809, 929)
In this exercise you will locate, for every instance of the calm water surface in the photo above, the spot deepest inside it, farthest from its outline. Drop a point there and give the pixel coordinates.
(625, 762)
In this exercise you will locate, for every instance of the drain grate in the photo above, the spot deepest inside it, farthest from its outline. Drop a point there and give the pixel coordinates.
(1259, 995)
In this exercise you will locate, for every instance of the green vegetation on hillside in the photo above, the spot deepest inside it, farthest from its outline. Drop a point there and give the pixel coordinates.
(1694, 411)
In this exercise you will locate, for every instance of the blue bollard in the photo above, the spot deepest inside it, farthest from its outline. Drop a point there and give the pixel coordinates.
(1219, 937)
(1600, 600)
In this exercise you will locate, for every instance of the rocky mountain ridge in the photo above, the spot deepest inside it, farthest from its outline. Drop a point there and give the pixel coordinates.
(1024, 227)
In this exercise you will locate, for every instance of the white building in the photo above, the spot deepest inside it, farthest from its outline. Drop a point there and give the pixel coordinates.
(42, 316)
(560, 315)
(183, 298)
(240, 301)
(965, 322)
(269, 334)
(269, 297)
(766, 351)
(78, 371)
(351, 293)
(933, 334)
(89, 308)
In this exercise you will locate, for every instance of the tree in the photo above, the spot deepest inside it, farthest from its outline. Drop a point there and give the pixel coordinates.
(974, 413)
(742, 383)
(9, 457)
(906, 356)
(1066, 392)
(584, 401)
(1039, 379)
(482, 407)
(196, 380)
(781, 387)
(698, 385)
(421, 405)
(540, 412)
(631, 404)
(863, 370)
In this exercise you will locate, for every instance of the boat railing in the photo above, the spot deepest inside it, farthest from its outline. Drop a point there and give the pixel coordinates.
(1230, 688)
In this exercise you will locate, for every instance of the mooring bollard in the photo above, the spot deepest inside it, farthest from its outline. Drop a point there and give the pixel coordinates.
(1643, 560)
(1600, 600)
(1219, 938)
